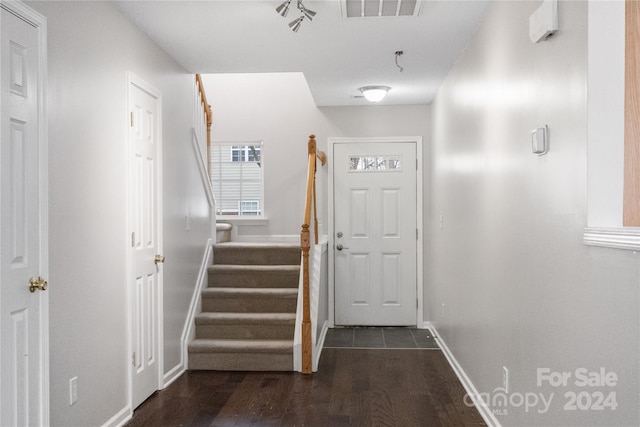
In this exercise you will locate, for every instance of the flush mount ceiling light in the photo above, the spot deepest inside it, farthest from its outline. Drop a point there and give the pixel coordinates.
(374, 93)
(305, 13)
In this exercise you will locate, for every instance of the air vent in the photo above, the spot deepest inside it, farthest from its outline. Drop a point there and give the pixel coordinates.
(380, 8)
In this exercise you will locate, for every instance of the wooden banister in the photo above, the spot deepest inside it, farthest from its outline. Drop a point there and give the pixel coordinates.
(209, 116)
(305, 245)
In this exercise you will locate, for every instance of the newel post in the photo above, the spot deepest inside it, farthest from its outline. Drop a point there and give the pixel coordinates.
(306, 308)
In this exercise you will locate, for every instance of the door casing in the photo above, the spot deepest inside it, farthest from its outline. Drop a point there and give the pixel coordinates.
(417, 140)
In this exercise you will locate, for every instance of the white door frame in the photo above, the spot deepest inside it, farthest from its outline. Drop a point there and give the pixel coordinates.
(133, 79)
(40, 23)
(417, 140)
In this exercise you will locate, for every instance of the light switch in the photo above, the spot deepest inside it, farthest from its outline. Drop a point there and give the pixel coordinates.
(540, 140)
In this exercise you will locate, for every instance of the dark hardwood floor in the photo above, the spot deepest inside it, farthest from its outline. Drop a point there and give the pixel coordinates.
(360, 387)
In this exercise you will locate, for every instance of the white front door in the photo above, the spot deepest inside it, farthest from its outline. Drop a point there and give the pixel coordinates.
(145, 219)
(375, 233)
(23, 308)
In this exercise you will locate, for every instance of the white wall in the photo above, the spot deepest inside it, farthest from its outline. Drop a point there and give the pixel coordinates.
(279, 110)
(520, 288)
(91, 48)
(606, 113)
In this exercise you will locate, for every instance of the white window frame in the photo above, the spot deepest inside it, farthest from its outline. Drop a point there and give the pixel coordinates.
(234, 145)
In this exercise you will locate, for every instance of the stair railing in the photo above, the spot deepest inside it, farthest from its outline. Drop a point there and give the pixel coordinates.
(208, 117)
(305, 245)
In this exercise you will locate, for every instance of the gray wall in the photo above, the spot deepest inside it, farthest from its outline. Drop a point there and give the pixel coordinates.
(520, 288)
(91, 48)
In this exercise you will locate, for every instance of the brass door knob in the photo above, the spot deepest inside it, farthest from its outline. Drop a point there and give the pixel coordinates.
(158, 259)
(37, 284)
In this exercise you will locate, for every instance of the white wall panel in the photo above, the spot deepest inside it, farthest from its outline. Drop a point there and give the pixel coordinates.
(510, 282)
(91, 49)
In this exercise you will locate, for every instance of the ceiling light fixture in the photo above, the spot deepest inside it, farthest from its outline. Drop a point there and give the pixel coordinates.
(305, 13)
(283, 9)
(295, 24)
(374, 93)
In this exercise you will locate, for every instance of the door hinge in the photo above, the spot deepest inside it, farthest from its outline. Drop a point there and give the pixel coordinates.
(416, 234)
(132, 119)
(416, 303)
(133, 239)
(416, 164)
(133, 359)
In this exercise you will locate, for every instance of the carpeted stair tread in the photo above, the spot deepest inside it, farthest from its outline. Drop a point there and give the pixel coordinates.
(245, 318)
(254, 276)
(270, 253)
(241, 346)
(258, 269)
(270, 245)
(221, 292)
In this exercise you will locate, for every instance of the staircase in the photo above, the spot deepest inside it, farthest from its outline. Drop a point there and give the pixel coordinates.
(248, 309)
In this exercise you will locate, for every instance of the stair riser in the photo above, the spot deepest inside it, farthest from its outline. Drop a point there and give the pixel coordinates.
(253, 280)
(240, 362)
(256, 256)
(247, 305)
(216, 331)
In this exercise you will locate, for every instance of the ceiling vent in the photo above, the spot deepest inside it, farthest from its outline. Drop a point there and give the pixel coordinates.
(380, 8)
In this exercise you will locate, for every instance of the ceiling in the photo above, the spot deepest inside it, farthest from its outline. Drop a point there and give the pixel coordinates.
(337, 55)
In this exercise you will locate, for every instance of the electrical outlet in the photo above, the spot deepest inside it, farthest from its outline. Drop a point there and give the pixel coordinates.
(443, 310)
(73, 390)
(505, 379)
(441, 222)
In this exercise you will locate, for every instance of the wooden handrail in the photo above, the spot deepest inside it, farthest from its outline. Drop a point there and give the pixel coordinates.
(305, 245)
(208, 115)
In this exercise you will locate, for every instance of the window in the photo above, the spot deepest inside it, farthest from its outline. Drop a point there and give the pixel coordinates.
(245, 153)
(249, 207)
(237, 178)
(383, 163)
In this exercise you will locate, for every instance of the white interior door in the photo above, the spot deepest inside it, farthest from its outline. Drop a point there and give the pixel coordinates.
(146, 277)
(375, 233)
(23, 311)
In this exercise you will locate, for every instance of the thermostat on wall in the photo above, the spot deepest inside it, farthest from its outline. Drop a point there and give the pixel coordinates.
(540, 140)
(543, 23)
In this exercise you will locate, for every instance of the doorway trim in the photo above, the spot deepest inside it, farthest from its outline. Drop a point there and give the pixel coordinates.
(133, 80)
(417, 140)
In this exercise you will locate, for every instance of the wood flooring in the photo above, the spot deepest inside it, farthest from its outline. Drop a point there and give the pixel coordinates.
(353, 387)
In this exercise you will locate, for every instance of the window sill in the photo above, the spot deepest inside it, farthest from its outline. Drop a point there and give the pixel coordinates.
(247, 220)
(616, 238)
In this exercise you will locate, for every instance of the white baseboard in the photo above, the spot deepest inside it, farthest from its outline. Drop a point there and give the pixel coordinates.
(173, 375)
(483, 409)
(194, 306)
(121, 418)
(320, 345)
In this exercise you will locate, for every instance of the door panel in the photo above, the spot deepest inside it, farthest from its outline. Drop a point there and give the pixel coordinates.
(23, 227)
(375, 225)
(147, 275)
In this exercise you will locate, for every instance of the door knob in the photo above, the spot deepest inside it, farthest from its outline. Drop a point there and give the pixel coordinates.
(340, 247)
(158, 259)
(38, 283)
